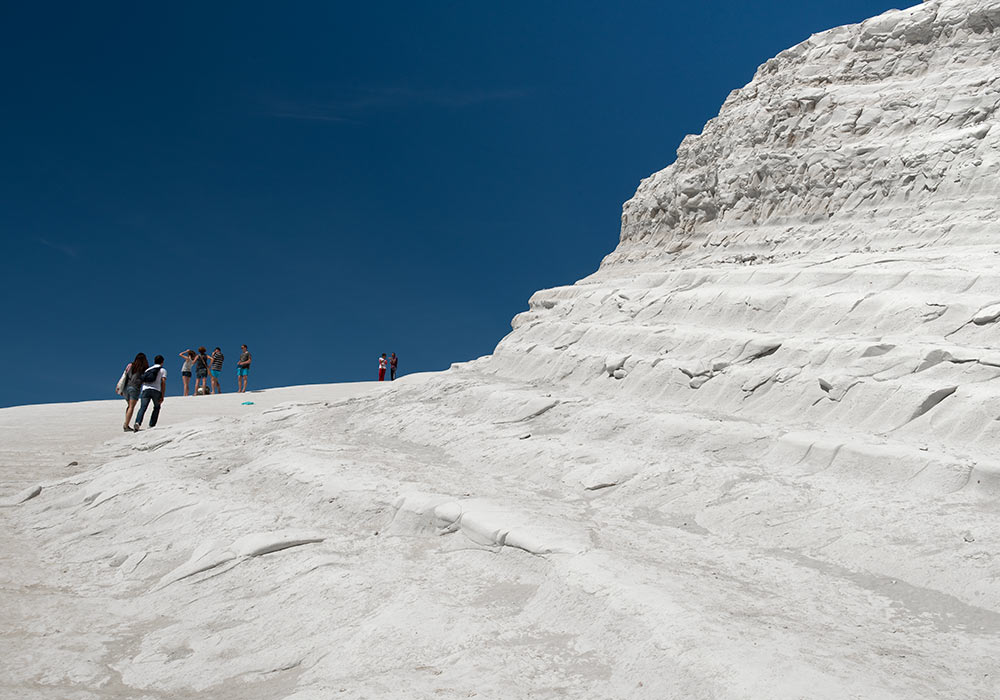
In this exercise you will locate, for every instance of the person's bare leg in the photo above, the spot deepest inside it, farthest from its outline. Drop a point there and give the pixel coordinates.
(129, 410)
(187, 384)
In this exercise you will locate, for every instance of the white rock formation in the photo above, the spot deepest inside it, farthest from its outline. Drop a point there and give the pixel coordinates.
(824, 254)
(874, 135)
(752, 456)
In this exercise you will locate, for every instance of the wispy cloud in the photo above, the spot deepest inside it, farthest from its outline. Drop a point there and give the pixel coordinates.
(309, 113)
(441, 97)
(66, 250)
(353, 105)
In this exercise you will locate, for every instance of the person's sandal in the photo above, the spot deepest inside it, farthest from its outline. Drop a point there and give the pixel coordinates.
(136, 428)
(126, 429)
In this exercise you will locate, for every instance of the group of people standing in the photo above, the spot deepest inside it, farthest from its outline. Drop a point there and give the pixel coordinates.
(387, 363)
(145, 384)
(202, 366)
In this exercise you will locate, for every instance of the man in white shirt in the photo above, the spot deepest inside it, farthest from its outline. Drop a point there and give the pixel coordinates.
(154, 390)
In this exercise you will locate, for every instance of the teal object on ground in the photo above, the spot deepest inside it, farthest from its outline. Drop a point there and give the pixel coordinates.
(247, 403)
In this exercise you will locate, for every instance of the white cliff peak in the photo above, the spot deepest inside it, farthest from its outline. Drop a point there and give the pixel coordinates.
(836, 138)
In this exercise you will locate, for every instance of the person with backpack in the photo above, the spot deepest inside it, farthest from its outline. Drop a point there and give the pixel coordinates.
(382, 362)
(201, 371)
(243, 369)
(393, 361)
(216, 370)
(154, 389)
(131, 386)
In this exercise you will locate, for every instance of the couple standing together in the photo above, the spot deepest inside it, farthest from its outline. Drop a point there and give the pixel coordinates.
(144, 384)
(391, 363)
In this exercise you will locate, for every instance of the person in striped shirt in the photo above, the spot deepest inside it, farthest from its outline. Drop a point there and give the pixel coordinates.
(216, 371)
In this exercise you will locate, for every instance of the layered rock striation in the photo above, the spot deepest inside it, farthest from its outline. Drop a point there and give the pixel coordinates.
(823, 258)
(866, 135)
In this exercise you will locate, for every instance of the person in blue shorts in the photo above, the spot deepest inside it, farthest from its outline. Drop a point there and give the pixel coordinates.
(243, 369)
(216, 371)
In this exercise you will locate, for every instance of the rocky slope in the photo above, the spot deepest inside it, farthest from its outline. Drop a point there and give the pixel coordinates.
(752, 456)
(823, 258)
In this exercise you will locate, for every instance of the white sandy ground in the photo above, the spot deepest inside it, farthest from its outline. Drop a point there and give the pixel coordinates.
(458, 535)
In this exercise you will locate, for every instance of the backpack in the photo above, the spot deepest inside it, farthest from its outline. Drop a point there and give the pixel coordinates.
(151, 374)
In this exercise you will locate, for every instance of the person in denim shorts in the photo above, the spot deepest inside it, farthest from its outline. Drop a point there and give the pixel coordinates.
(201, 371)
(189, 357)
(133, 386)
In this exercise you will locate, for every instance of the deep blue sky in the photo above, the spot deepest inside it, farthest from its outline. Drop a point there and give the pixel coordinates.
(327, 181)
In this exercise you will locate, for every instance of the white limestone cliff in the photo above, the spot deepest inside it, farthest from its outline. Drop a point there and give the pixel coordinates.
(825, 254)
(868, 135)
